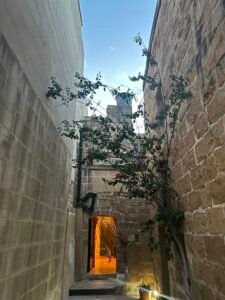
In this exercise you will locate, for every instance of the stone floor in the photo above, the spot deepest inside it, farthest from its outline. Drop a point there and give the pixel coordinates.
(104, 265)
(103, 297)
(100, 284)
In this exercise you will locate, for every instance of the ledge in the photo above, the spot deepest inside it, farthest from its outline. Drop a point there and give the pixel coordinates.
(155, 20)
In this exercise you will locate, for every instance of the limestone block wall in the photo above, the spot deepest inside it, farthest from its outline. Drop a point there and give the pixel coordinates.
(46, 38)
(129, 214)
(35, 175)
(38, 39)
(140, 267)
(92, 179)
(188, 39)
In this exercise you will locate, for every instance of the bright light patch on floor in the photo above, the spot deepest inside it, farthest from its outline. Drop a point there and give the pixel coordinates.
(156, 293)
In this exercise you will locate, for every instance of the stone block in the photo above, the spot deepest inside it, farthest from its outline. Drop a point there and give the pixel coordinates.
(203, 269)
(2, 264)
(197, 178)
(201, 291)
(2, 76)
(218, 272)
(200, 223)
(194, 110)
(198, 246)
(7, 141)
(44, 252)
(19, 285)
(218, 132)
(11, 98)
(205, 146)
(97, 180)
(25, 208)
(209, 170)
(215, 249)
(24, 237)
(13, 232)
(183, 128)
(220, 158)
(189, 244)
(196, 289)
(189, 225)
(22, 132)
(32, 253)
(6, 288)
(8, 174)
(27, 185)
(220, 70)
(199, 199)
(177, 171)
(201, 125)
(185, 184)
(216, 190)
(189, 162)
(45, 194)
(216, 220)
(216, 108)
(189, 140)
(217, 14)
(38, 212)
(5, 202)
(184, 203)
(17, 259)
(6, 118)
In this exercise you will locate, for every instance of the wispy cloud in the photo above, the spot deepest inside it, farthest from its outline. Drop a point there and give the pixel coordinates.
(113, 49)
(122, 77)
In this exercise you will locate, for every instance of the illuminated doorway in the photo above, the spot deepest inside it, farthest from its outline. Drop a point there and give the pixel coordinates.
(102, 245)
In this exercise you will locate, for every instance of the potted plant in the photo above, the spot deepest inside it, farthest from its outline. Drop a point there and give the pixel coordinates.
(145, 291)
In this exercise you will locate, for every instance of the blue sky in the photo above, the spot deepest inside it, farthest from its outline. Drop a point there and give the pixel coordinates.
(109, 27)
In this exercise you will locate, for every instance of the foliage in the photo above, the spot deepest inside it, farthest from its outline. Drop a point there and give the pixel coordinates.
(141, 160)
(145, 286)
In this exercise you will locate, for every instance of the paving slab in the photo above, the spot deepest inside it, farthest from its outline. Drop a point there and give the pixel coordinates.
(94, 287)
(103, 297)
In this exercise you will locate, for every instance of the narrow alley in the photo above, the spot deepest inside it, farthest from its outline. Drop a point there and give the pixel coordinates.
(112, 149)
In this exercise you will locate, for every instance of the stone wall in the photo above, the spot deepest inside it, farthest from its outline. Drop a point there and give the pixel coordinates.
(92, 179)
(46, 38)
(129, 214)
(188, 39)
(140, 267)
(37, 40)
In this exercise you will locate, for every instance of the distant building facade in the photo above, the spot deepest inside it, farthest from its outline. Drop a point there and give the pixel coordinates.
(123, 110)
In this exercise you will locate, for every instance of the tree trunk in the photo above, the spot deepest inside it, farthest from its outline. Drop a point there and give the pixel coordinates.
(183, 263)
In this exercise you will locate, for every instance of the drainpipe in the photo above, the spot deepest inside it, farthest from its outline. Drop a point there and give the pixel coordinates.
(79, 174)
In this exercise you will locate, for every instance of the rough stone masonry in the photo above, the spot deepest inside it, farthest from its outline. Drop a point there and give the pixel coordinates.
(188, 39)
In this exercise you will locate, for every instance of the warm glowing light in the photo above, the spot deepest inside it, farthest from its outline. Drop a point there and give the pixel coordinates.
(155, 293)
(104, 241)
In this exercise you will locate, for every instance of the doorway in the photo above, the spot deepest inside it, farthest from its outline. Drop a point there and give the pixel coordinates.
(102, 245)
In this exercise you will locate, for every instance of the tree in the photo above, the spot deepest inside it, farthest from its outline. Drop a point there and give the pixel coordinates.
(141, 160)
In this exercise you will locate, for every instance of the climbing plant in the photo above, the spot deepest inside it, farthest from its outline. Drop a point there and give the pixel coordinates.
(141, 160)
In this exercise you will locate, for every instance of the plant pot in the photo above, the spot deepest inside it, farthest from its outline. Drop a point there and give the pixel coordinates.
(144, 295)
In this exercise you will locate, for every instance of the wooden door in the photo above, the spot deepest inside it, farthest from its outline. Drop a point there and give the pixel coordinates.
(91, 243)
